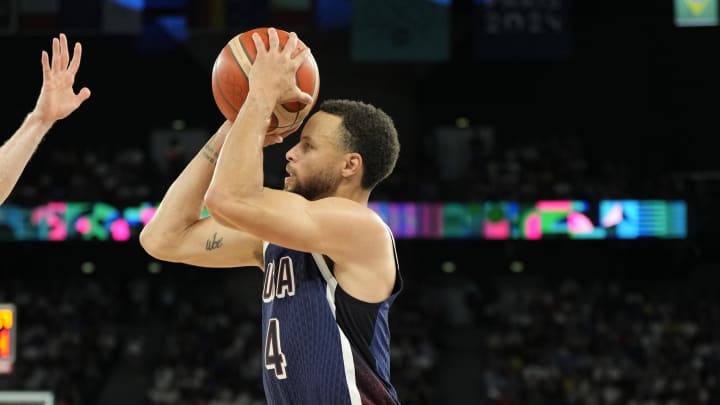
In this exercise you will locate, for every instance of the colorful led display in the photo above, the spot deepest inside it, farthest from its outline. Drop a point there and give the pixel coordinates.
(493, 220)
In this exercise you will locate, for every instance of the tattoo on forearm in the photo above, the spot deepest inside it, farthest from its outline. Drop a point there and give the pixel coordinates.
(213, 243)
(210, 154)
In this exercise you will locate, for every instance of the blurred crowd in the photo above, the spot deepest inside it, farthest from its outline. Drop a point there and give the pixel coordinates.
(478, 164)
(190, 336)
(472, 165)
(598, 341)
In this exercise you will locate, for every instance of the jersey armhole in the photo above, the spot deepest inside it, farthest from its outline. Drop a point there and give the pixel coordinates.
(265, 245)
(399, 283)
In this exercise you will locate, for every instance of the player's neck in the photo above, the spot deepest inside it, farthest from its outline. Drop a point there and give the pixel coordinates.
(353, 192)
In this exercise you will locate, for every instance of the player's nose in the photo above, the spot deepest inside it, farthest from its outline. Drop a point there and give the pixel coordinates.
(290, 154)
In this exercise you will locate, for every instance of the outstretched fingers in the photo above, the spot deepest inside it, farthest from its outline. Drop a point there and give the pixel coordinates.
(75, 61)
(64, 52)
(45, 61)
(83, 95)
(61, 58)
(55, 62)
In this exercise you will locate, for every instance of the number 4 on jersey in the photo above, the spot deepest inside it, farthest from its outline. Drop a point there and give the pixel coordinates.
(274, 357)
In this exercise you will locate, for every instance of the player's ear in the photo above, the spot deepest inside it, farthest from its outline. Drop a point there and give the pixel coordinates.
(353, 164)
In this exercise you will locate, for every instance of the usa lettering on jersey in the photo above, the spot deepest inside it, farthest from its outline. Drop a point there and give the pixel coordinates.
(279, 283)
(279, 280)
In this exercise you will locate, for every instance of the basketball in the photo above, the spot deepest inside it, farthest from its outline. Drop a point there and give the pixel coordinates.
(230, 81)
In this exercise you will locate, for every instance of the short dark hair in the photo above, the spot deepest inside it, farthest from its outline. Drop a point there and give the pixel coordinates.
(370, 132)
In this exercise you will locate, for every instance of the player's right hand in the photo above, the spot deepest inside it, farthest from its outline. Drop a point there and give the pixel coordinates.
(57, 98)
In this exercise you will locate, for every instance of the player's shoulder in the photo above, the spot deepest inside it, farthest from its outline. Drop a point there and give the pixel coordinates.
(360, 212)
(343, 203)
(350, 204)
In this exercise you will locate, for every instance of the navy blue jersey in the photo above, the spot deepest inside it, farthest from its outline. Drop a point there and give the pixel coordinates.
(321, 346)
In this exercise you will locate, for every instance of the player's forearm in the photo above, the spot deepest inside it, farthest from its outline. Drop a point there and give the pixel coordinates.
(16, 152)
(182, 204)
(238, 180)
(240, 167)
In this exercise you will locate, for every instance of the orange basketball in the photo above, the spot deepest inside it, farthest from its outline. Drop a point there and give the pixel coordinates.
(230, 81)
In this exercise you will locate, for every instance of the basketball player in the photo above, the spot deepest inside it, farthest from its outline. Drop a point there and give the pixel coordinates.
(57, 100)
(331, 271)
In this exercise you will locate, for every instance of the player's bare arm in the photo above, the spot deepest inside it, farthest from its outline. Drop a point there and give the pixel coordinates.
(352, 235)
(324, 226)
(204, 243)
(178, 232)
(56, 101)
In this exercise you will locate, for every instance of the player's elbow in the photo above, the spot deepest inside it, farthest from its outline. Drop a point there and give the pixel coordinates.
(149, 243)
(228, 210)
(154, 245)
(218, 206)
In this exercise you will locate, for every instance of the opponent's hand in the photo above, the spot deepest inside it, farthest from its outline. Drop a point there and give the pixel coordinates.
(57, 98)
(274, 69)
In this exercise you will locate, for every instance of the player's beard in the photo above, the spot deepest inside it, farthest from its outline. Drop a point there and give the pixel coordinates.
(320, 185)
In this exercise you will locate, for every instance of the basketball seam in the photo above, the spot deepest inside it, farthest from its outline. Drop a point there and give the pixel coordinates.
(277, 120)
(289, 110)
(238, 62)
(295, 120)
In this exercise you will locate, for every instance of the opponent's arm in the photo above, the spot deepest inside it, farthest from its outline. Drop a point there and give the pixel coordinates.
(56, 101)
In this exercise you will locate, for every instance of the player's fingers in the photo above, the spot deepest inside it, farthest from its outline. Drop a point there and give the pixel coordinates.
(83, 94)
(292, 43)
(55, 61)
(305, 98)
(301, 56)
(273, 40)
(45, 61)
(259, 43)
(64, 52)
(272, 140)
(75, 61)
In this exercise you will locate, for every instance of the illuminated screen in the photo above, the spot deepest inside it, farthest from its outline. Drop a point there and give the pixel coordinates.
(696, 13)
(8, 333)
(565, 219)
(62, 221)
(27, 398)
(494, 220)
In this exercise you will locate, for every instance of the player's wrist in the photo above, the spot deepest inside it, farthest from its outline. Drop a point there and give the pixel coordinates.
(261, 102)
(36, 117)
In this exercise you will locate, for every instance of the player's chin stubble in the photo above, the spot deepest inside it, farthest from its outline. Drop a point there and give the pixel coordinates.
(319, 187)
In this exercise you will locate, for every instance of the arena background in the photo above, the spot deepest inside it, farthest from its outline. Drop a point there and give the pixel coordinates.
(501, 105)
